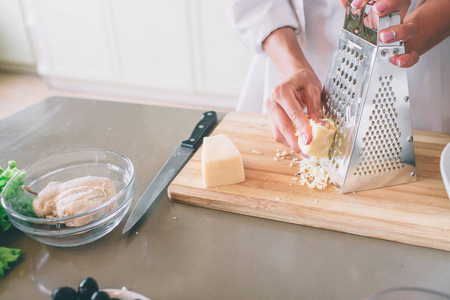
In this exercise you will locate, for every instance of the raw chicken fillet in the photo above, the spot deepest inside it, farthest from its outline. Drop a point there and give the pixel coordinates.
(64, 199)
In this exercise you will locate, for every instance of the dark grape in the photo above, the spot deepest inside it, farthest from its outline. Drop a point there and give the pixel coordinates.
(100, 295)
(87, 288)
(64, 293)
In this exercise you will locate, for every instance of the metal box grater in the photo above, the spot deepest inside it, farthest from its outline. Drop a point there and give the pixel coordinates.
(367, 98)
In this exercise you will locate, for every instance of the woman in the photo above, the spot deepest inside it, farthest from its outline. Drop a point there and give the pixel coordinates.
(294, 41)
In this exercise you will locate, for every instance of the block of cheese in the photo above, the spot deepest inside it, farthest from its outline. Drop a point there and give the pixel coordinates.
(221, 162)
(322, 139)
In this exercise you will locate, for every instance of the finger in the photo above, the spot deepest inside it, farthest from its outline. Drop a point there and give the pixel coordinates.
(313, 104)
(359, 3)
(381, 7)
(289, 100)
(384, 7)
(402, 32)
(271, 106)
(278, 137)
(282, 128)
(282, 140)
(405, 60)
(371, 21)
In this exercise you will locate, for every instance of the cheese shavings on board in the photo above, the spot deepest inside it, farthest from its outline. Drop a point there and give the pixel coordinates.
(310, 173)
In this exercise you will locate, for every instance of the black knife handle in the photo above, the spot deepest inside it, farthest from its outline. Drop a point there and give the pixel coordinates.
(206, 124)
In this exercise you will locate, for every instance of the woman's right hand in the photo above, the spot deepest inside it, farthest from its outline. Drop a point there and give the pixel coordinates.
(300, 88)
(285, 106)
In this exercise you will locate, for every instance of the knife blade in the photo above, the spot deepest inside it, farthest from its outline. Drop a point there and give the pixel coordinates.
(174, 163)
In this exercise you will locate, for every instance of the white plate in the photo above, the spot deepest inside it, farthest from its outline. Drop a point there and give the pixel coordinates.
(124, 294)
(445, 168)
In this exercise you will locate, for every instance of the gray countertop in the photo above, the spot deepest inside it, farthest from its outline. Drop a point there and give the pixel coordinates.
(185, 252)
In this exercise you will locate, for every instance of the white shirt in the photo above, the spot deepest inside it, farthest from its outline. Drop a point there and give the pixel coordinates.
(317, 24)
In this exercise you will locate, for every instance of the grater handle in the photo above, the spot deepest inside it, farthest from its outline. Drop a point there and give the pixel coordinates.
(354, 24)
(387, 21)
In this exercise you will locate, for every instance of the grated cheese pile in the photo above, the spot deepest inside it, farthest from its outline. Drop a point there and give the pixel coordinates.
(310, 172)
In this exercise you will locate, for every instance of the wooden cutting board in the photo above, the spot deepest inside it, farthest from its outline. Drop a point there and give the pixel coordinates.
(416, 213)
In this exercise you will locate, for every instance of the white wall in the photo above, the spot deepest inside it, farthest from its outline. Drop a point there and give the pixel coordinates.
(174, 50)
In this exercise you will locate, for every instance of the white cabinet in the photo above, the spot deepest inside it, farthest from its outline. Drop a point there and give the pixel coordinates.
(153, 43)
(14, 45)
(72, 39)
(179, 50)
(221, 62)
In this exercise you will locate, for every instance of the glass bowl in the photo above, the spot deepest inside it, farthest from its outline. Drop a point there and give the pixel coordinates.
(408, 293)
(124, 294)
(63, 167)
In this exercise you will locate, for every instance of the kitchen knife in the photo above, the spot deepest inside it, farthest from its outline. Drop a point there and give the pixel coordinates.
(176, 161)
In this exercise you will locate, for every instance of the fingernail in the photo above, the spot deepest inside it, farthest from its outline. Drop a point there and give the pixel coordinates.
(380, 7)
(305, 139)
(356, 3)
(387, 36)
(401, 62)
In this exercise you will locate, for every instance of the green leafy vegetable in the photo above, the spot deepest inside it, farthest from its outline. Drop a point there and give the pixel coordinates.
(4, 221)
(5, 176)
(22, 204)
(7, 256)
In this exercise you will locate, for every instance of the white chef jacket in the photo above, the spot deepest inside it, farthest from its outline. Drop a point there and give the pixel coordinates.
(317, 24)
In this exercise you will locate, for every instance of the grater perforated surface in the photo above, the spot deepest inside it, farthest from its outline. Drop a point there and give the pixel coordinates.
(367, 97)
(381, 149)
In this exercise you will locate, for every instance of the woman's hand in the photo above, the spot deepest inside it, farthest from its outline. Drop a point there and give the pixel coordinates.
(285, 105)
(300, 88)
(404, 32)
(382, 7)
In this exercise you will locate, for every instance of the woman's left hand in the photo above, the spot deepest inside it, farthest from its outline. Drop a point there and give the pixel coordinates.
(402, 32)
